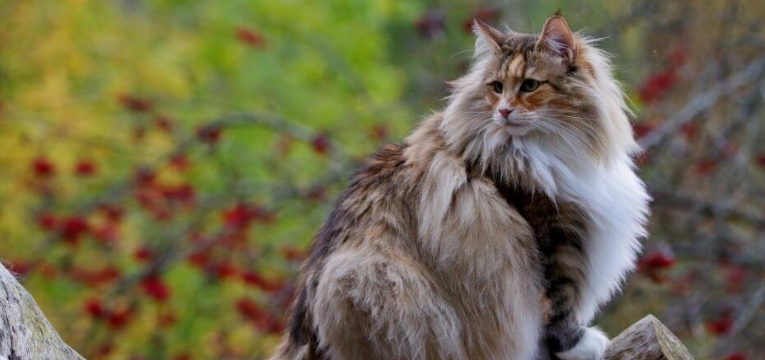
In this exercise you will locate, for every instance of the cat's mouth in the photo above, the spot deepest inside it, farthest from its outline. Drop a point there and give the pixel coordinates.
(515, 127)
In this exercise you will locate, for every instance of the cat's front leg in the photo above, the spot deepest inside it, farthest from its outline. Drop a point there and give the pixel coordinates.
(569, 341)
(565, 266)
(591, 346)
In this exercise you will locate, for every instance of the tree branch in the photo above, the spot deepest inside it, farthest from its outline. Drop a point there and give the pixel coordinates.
(701, 102)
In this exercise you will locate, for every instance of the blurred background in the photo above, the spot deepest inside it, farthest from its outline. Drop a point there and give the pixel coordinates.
(165, 163)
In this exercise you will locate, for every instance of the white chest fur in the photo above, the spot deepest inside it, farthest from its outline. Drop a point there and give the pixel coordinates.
(616, 202)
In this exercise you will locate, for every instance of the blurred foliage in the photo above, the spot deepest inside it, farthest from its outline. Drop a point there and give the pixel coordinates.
(165, 163)
(114, 161)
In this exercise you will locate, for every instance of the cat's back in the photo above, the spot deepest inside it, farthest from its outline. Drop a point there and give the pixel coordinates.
(376, 197)
(417, 252)
(381, 197)
(377, 201)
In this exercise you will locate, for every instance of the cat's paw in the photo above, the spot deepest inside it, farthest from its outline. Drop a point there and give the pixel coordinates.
(591, 346)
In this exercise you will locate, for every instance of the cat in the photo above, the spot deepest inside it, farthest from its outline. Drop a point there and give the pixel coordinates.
(496, 229)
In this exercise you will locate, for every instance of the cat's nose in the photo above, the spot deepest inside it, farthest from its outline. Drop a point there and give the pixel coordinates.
(505, 112)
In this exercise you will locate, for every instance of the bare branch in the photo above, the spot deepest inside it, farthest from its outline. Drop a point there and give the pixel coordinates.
(701, 102)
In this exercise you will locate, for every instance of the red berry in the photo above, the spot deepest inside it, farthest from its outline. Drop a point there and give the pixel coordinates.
(642, 128)
(112, 213)
(104, 350)
(20, 268)
(107, 234)
(209, 134)
(200, 259)
(164, 123)
(320, 143)
(657, 260)
(143, 254)
(119, 318)
(292, 254)
(183, 193)
(243, 214)
(651, 264)
(270, 324)
(484, 14)
(180, 162)
(258, 281)
(736, 356)
(657, 85)
(760, 160)
(720, 325)
(153, 286)
(135, 104)
(272, 285)
(225, 270)
(250, 37)
(252, 278)
(85, 168)
(95, 277)
(249, 309)
(95, 308)
(73, 228)
(689, 130)
(42, 167)
(144, 176)
(47, 221)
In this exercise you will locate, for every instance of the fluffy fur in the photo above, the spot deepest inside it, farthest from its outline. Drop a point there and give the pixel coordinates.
(484, 236)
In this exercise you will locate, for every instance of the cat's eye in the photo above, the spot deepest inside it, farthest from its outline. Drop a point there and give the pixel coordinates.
(529, 85)
(498, 87)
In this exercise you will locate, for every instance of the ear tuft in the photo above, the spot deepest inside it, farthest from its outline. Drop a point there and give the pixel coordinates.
(487, 38)
(558, 38)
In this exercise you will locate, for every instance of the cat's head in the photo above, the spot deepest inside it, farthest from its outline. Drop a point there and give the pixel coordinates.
(553, 91)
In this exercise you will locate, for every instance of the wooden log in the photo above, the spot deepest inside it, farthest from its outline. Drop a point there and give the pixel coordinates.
(647, 339)
(25, 333)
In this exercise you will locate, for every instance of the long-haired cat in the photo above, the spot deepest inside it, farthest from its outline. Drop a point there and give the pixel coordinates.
(496, 230)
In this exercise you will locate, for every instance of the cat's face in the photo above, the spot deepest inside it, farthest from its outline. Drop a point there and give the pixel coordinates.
(553, 91)
(535, 83)
(537, 104)
(526, 87)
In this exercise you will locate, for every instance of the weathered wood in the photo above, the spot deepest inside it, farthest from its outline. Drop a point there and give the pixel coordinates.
(647, 339)
(25, 333)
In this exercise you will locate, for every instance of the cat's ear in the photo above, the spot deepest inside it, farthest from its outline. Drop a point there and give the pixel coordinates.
(488, 39)
(558, 39)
